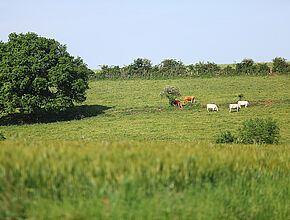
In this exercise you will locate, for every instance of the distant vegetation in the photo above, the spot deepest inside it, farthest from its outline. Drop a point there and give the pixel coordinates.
(170, 68)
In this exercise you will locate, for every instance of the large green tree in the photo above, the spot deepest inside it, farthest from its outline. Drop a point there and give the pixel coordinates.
(38, 74)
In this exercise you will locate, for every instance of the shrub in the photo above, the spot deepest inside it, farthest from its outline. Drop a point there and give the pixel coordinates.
(207, 69)
(2, 137)
(170, 92)
(171, 68)
(225, 137)
(262, 69)
(228, 71)
(280, 65)
(245, 67)
(240, 97)
(259, 131)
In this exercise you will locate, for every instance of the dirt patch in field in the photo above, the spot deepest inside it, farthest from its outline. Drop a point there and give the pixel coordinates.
(265, 102)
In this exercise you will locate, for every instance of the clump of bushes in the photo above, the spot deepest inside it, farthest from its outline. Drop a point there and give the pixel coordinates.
(253, 131)
(259, 131)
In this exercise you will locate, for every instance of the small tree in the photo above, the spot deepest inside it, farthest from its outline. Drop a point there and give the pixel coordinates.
(240, 97)
(37, 73)
(280, 65)
(172, 68)
(170, 92)
(245, 67)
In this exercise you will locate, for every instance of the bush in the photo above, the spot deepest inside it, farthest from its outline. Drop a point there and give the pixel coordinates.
(170, 92)
(280, 65)
(259, 131)
(245, 67)
(225, 137)
(2, 137)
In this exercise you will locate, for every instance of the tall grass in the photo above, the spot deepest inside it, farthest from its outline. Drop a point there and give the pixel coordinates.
(150, 180)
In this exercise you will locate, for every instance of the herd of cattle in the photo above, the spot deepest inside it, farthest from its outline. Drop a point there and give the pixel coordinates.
(212, 107)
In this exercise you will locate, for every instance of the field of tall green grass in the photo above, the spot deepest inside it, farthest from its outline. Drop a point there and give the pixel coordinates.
(127, 154)
(143, 180)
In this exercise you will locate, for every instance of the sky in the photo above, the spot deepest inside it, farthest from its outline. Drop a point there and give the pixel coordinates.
(116, 32)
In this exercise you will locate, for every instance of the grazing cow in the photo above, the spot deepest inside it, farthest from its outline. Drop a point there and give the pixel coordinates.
(212, 107)
(234, 106)
(243, 103)
(178, 103)
(189, 98)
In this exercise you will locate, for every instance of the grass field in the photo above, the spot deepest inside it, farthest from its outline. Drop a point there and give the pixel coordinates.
(143, 180)
(132, 156)
(127, 110)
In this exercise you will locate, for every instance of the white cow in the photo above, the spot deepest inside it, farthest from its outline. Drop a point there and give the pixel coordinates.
(212, 107)
(234, 106)
(243, 103)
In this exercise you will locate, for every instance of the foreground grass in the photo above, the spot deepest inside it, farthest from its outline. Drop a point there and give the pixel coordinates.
(131, 111)
(143, 180)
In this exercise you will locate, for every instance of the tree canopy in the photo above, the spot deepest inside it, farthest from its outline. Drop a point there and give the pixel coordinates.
(38, 74)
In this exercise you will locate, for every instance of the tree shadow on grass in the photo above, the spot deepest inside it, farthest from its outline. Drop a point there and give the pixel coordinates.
(74, 113)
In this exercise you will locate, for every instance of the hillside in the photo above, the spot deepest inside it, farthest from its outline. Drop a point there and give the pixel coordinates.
(133, 110)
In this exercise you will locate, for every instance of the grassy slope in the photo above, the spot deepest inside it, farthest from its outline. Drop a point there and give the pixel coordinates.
(132, 114)
(150, 180)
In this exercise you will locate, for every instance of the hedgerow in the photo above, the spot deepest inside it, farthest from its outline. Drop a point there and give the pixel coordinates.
(170, 68)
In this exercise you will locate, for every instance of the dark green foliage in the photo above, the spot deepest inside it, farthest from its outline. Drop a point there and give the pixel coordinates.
(170, 68)
(245, 67)
(206, 68)
(240, 96)
(280, 66)
(38, 74)
(262, 69)
(225, 137)
(2, 137)
(170, 92)
(228, 71)
(259, 131)
(107, 72)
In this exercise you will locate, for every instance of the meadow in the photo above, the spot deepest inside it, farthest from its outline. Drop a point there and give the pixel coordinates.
(128, 154)
(128, 110)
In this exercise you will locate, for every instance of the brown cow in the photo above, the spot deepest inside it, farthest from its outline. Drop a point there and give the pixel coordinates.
(189, 98)
(178, 103)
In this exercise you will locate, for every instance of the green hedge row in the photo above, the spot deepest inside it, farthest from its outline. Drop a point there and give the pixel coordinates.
(170, 68)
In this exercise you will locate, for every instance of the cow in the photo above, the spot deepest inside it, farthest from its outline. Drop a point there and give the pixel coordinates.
(234, 106)
(243, 103)
(178, 103)
(189, 98)
(212, 107)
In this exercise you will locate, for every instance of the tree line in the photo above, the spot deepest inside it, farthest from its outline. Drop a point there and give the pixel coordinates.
(171, 68)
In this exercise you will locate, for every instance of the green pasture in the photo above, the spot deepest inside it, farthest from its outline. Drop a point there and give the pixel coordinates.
(133, 110)
(127, 154)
